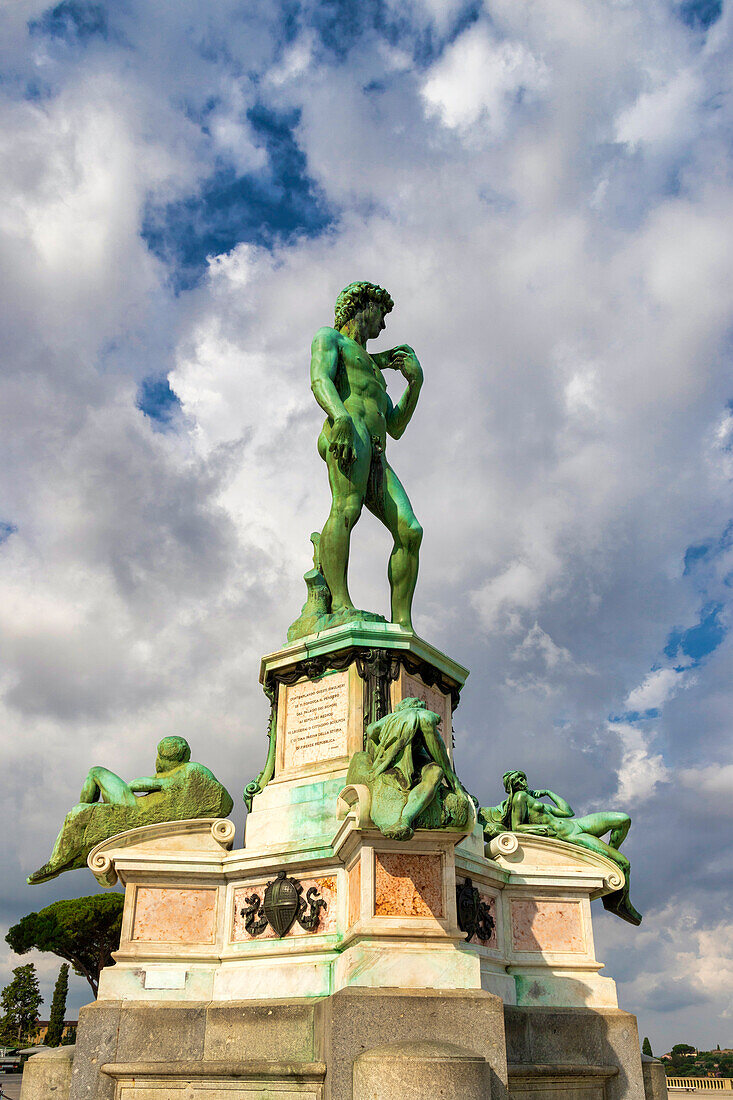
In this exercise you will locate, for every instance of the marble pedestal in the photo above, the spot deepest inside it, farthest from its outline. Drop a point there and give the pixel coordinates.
(204, 1003)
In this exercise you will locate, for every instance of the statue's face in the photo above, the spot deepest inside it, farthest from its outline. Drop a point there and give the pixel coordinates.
(373, 317)
(516, 782)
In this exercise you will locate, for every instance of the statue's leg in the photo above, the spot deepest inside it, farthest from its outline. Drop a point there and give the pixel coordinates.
(619, 901)
(101, 782)
(607, 821)
(423, 794)
(395, 512)
(347, 498)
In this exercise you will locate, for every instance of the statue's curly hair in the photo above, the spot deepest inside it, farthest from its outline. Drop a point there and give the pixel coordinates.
(355, 297)
(174, 748)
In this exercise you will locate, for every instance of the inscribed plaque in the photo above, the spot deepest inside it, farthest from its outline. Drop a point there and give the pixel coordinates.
(316, 721)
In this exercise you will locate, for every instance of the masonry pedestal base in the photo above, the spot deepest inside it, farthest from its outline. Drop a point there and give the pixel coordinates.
(357, 1044)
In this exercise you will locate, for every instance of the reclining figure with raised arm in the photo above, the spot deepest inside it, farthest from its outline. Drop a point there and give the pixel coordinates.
(179, 790)
(523, 812)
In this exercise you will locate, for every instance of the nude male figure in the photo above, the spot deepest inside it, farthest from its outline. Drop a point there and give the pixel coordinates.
(348, 384)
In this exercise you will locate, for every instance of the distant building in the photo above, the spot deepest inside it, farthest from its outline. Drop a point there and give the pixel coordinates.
(39, 1035)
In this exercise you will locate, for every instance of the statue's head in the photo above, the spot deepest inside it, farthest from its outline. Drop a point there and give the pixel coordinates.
(358, 297)
(514, 781)
(410, 704)
(172, 752)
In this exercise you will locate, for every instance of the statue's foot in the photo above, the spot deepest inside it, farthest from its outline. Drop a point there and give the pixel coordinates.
(43, 874)
(620, 904)
(351, 614)
(400, 831)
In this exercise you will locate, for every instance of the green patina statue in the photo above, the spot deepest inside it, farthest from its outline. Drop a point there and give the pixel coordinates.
(348, 384)
(179, 790)
(523, 812)
(409, 775)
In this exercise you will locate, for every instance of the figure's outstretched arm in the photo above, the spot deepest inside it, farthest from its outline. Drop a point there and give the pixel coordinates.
(144, 784)
(406, 362)
(561, 807)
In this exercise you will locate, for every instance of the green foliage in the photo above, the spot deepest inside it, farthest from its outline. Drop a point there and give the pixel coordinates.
(646, 1048)
(69, 1037)
(58, 1008)
(21, 1000)
(82, 930)
(685, 1061)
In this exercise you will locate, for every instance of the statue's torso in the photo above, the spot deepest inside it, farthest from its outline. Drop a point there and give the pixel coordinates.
(361, 386)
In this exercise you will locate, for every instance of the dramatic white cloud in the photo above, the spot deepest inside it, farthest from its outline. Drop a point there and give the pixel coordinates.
(479, 80)
(546, 192)
(657, 688)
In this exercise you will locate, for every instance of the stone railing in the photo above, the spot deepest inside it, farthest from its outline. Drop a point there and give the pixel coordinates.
(692, 1083)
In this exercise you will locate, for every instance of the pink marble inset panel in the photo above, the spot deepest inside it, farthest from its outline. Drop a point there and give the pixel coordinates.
(170, 915)
(355, 892)
(489, 901)
(327, 918)
(407, 885)
(539, 925)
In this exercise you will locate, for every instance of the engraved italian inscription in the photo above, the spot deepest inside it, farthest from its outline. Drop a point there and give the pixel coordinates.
(316, 721)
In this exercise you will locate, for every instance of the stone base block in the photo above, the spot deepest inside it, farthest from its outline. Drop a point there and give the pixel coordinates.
(47, 1076)
(593, 1053)
(655, 1079)
(354, 1021)
(356, 1044)
(413, 1071)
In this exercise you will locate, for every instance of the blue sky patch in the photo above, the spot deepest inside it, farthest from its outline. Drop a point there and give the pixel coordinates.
(261, 208)
(157, 400)
(81, 19)
(6, 530)
(700, 14)
(698, 641)
(342, 26)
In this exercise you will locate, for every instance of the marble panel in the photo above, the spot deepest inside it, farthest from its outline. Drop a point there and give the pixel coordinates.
(408, 885)
(355, 892)
(540, 925)
(166, 914)
(327, 918)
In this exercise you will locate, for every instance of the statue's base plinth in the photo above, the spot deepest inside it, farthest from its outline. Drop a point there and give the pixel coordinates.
(357, 1044)
(193, 926)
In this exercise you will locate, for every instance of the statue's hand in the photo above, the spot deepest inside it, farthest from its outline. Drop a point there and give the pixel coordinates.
(342, 446)
(406, 362)
(538, 794)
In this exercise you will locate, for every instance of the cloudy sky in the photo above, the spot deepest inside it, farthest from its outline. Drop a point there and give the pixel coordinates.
(545, 189)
